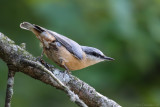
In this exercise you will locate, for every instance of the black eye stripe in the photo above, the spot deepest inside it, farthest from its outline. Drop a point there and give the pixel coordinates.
(95, 54)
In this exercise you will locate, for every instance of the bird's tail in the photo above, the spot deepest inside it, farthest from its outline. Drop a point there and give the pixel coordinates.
(32, 27)
(26, 26)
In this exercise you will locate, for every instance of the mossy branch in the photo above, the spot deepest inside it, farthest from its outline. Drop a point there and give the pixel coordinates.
(18, 58)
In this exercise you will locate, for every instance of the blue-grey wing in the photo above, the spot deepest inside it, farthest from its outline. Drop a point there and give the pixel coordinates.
(69, 44)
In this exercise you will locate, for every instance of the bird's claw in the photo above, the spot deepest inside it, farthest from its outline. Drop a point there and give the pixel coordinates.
(48, 66)
(39, 58)
(67, 72)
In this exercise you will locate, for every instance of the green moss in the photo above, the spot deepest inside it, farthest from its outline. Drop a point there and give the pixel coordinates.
(11, 42)
(24, 52)
(76, 78)
(6, 39)
(23, 45)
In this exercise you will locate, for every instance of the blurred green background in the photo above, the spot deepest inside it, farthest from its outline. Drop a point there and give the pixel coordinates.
(127, 30)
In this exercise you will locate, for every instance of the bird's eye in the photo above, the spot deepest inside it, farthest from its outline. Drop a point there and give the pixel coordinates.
(95, 54)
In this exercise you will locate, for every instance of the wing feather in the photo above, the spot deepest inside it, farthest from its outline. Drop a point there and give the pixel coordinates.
(69, 44)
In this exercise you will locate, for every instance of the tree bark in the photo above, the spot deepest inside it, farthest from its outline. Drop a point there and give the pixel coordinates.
(9, 90)
(22, 61)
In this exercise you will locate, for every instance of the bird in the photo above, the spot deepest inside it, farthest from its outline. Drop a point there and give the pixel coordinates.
(65, 52)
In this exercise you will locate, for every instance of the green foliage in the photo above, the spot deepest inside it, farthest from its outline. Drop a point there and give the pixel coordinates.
(127, 30)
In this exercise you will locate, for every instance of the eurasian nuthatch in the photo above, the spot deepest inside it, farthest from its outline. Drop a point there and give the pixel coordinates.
(64, 51)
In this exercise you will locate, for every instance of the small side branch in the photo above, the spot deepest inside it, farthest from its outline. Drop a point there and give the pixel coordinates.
(9, 90)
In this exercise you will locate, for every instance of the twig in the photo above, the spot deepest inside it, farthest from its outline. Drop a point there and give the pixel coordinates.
(9, 90)
(71, 94)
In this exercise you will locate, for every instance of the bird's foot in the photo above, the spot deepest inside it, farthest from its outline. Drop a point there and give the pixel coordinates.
(48, 66)
(67, 72)
(39, 58)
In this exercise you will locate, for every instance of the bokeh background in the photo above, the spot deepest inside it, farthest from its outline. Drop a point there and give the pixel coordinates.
(127, 30)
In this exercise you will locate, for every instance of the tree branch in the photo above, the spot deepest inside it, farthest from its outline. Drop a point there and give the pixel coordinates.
(9, 90)
(18, 57)
(71, 94)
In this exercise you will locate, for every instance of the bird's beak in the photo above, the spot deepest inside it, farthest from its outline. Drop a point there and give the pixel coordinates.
(108, 58)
